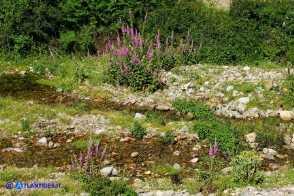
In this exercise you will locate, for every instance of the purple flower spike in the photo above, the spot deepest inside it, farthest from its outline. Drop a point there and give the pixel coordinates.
(89, 153)
(97, 147)
(81, 159)
(124, 52)
(86, 166)
(130, 13)
(192, 45)
(166, 42)
(122, 71)
(157, 44)
(158, 36)
(132, 74)
(211, 154)
(215, 148)
(118, 41)
(88, 55)
(103, 154)
(106, 49)
(188, 35)
(135, 60)
(98, 54)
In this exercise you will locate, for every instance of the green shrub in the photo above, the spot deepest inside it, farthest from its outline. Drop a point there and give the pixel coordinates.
(167, 138)
(245, 167)
(219, 131)
(199, 110)
(95, 184)
(25, 125)
(138, 130)
(81, 107)
(155, 117)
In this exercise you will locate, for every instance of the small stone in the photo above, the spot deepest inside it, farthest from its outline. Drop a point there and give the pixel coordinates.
(162, 107)
(177, 166)
(177, 153)
(246, 68)
(227, 170)
(21, 138)
(59, 90)
(134, 154)
(268, 85)
(69, 141)
(244, 100)
(190, 116)
(196, 147)
(139, 116)
(56, 145)
(108, 171)
(147, 172)
(126, 139)
(50, 144)
(253, 145)
(229, 88)
(22, 73)
(195, 160)
(250, 137)
(241, 108)
(286, 115)
(42, 141)
(269, 153)
(287, 139)
(18, 150)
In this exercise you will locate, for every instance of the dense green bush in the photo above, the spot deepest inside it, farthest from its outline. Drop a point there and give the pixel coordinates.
(138, 130)
(167, 138)
(199, 110)
(245, 167)
(217, 131)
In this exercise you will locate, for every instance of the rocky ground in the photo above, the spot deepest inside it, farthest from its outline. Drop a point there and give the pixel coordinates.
(234, 92)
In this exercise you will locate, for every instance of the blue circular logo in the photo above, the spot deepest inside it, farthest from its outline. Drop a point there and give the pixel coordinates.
(9, 185)
(18, 185)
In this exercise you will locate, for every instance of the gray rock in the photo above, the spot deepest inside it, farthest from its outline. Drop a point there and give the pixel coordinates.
(50, 144)
(241, 107)
(56, 145)
(244, 100)
(42, 142)
(108, 171)
(269, 153)
(139, 116)
(286, 115)
(59, 90)
(229, 88)
(250, 137)
(177, 166)
(134, 154)
(10, 149)
(162, 107)
(195, 160)
(177, 153)
(246, 68)
(184, 129)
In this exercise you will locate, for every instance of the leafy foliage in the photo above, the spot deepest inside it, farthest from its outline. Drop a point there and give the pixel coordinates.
(199, 110)
(167, 138)
(217, 130)
(138, 130)
(245, 167)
